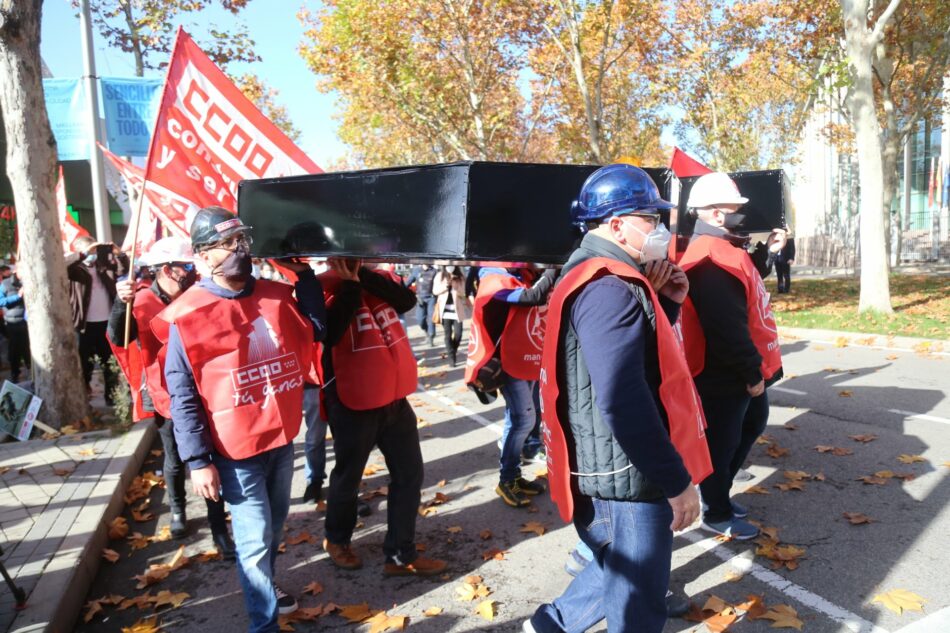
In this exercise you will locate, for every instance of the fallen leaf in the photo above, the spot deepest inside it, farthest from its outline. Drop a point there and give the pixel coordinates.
(733, 576)
(790, 426)
(138, 541)
(910, 459)
(383, 622)
(156, 453)
(841, 341)
(783, 617)
(486, 609)
(900, 600)
(756, 490)
(856, 518)
(872, 480)
(88, 452)
(791, 485)
(721, 621)
(472, 591)
(372, 469)
(148, 625)
(441, 483)
(313, 588)
(834, 450)
(118, 528)
(282, 548)
(179, 560)
(754, 606)
(427, 511)
(819, 477)
(715, 604)
(869, 437)
(140, 601)
(155, 574)
(284, 623)
(533, 526)
(93, 608)
(209, 555)
(302, 537)
(844, 393)
(472, 580)
(174, 600)
(432, 611)
(796, 475)
(905, 476)
(493, 553)
(142, 517)
(164, 534)
(110, 555)
(776, 451)
(455, 529)
(356, 612)
(485, 535)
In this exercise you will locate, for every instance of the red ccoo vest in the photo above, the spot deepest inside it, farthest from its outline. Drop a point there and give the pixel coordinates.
(249, 357)
(521, 340)
(762, 326)
(373, 363)
(677, 392)
(145, 308)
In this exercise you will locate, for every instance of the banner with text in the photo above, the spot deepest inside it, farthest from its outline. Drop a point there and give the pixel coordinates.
(129, 106)
(209, 136)
(68, 117)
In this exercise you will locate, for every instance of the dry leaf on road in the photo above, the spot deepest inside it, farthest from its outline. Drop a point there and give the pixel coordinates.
(432, 612)
(533, 526)
(856, 518)
(383, 622)
(118, 528)
(486, 609)
(776, 451)
(148, 625)
(869, 437)
(485, 535)
(357, 612)
(834, 450)
(756, 490)
(110, 555)
(910, 459)
(313, 588)
(900, 600)
(796, 475)
(791, 485)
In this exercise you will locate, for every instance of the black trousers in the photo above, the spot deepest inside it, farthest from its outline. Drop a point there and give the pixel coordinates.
(92, 342)
(175, 475)
(18, 348)
(734, 423)
(452, 328)
(393, 429)
(783, 272)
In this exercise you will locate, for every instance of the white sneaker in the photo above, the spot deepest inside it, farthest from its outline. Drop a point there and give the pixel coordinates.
(527, 627)
(286, 604)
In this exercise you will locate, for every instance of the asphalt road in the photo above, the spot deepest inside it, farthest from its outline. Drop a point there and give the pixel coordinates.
(830, 393)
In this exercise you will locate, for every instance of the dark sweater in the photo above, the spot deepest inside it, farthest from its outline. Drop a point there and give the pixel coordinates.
(614, 335)
(190, 418)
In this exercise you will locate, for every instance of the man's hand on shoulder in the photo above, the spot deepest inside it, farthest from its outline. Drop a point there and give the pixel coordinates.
(685, 508)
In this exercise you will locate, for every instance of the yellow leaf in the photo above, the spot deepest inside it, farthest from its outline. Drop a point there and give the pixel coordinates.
(441, 483)
(313, 588)
(756, 490)
(284, 623)
(118, 528)
(138, 541)
(910, 459)
(715, 604)
(486, 609)
(372, 469)
(356, 612)
(721, 621)
(174, 600)
(147, 625)
(432, 612)
(110, 555)
(845, 393)
(900, 600)
(783, 617)
(533, 526)
(142, 517)
(493, 553)
(382, 622)
(796, 475)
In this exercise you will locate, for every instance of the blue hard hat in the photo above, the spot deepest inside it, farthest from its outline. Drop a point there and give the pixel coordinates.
(616, 189)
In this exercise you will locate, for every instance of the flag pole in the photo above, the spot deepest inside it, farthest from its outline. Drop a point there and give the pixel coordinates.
(135, 241)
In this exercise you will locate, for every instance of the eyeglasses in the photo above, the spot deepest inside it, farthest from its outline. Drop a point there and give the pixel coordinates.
(185, 266)
(652, 218)
(231, 243)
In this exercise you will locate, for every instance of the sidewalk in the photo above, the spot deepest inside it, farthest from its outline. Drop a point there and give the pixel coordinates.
(56, 499)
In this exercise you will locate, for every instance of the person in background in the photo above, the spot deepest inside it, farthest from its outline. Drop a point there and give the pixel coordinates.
(783, 265)
(452, 306)
(93, 270)
(423, 277)
(14, 323)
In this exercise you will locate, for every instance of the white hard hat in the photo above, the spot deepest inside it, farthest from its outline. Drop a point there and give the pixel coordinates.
(712, 189)
(168, 250)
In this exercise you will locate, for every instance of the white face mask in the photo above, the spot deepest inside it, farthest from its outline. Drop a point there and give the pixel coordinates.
(656, 243)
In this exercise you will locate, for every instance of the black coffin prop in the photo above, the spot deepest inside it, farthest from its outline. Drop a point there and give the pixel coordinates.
(463, 212)
(769, 206)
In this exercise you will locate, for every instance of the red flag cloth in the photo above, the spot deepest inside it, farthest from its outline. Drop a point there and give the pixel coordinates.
(68, 226)
(932, 181)
(685, 166)
(159, 206)
(208, 136)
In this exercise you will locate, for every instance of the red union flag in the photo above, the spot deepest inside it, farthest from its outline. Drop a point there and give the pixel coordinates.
(159, 206)
(69, 228)
(209, 136)
(684, 165)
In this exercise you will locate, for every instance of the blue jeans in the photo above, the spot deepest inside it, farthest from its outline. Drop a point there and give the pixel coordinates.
(520, 417)
(627, 581)
(425, 306)
(315, 440)
(258, 491)
(533, 443)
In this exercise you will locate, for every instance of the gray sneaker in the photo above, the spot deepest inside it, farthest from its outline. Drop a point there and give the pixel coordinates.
(736, 528)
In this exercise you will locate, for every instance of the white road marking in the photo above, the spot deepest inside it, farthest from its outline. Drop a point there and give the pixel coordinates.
(488, 424)
(921, 416)
(939, 621)
(794, 392)
(852, 621)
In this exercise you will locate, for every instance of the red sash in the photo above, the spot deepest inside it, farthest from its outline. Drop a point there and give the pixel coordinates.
(130, 362)
(521, 339)
(762, 326)
(249, 357)
(373, 363)
(146, 307)
(677, 392)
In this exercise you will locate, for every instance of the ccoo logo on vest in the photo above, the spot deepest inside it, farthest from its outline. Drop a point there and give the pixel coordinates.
(384, 320)
(534, 329)
(268, 372)
(765, 306)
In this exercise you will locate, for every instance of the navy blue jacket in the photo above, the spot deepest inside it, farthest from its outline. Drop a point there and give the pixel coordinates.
(189, 418)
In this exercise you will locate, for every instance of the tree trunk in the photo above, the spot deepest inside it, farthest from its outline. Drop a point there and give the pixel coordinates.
(31, 168)
(859, 44)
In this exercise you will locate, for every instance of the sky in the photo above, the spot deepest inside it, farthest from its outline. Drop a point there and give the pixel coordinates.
(274, 27)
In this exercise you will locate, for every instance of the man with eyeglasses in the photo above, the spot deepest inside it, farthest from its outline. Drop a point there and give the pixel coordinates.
(622, 423)
(171, 263)
(238, 351)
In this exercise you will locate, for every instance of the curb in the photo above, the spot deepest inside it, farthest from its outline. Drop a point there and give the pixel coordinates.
(57, 599)
(862, 339)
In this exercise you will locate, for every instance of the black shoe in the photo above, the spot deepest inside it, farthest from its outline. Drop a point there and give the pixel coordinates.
(286, 604)
(363, 509)
(224, 544)
(453, 359)
(530, 488)
(313, 492)
(676, 605)
(431, 341)
(179, 525)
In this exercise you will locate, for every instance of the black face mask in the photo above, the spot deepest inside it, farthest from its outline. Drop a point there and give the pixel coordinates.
(188, 280)
(236, 266)
(733, 221)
